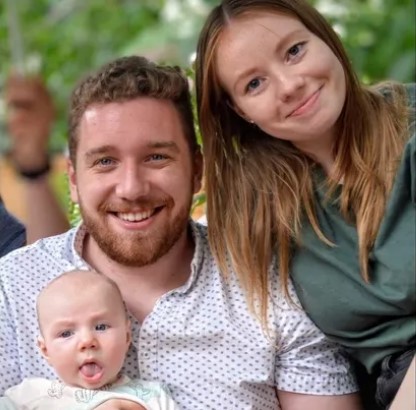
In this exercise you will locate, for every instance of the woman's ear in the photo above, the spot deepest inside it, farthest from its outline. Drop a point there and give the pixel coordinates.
(238, 111)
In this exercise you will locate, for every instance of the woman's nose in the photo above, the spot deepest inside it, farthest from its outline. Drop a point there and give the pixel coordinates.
(289, 83)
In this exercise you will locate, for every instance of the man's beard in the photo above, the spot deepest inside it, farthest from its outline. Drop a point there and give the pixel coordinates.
(139, 248)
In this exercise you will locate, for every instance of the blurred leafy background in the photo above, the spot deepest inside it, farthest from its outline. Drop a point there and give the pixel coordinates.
(63, 39)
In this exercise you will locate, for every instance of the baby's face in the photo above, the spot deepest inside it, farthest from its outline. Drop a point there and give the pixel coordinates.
(85, 332)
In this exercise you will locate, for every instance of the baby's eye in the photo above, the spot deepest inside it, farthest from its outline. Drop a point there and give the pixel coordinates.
(101, 327)
(65, 334)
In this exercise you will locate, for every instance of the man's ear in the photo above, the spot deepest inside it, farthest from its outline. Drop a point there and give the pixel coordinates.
(72, 181)
(42, 347)
(198, 170)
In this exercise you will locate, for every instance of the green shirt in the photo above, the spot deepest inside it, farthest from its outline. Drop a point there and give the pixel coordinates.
(370, 320)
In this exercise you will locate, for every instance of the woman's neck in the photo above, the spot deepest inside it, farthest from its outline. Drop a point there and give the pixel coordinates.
(320, 151)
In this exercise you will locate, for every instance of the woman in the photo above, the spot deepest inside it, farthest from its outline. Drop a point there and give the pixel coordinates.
(304, 162)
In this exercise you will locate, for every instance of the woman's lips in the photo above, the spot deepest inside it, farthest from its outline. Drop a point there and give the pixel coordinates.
(306, 105)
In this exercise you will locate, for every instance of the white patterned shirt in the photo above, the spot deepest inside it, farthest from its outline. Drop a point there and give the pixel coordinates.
(200, 339)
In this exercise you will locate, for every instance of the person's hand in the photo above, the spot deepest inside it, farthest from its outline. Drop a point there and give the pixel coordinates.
(119, 404)
(29, 120)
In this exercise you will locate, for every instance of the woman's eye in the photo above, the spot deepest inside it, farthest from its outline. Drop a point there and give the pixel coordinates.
(295, 50)
(101, 327)
(253, 84)
(65, 334)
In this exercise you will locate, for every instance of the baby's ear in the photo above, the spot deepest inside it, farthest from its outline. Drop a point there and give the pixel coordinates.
(42, 347)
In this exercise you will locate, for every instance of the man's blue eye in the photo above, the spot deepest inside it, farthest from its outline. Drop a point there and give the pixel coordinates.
(105, 161)
(101, 327)
(157, 157)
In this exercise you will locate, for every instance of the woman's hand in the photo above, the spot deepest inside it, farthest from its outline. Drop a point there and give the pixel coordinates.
(120, 404)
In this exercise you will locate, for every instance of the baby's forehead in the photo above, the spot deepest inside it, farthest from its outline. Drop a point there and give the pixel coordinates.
(75, 284)
(76, 279)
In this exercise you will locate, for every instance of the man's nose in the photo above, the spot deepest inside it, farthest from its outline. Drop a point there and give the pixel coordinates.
(133, 183)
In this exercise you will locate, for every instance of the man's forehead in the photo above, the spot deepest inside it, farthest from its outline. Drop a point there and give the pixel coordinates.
(91, 113)
(127, 115)
(114, 126)
(95, 113)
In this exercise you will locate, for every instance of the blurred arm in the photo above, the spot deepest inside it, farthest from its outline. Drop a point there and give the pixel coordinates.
(295, 401)
(405, 398)
(45, 216)
(29, 121)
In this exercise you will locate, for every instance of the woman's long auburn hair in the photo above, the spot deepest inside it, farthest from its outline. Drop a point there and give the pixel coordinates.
(259, 188)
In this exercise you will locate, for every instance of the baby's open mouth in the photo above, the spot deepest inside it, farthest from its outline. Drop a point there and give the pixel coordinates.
(91, 370)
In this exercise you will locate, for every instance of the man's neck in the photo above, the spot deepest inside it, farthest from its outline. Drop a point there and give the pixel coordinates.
(142, 286)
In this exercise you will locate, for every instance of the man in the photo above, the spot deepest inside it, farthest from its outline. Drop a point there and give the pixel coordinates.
(134, 166)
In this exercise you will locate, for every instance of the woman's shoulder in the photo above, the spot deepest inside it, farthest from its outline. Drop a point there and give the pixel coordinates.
(392, 90)
(411, 93)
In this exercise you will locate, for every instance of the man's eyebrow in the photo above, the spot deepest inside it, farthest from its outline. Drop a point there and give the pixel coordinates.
(171, 145)
(98, 151)
(105, 149)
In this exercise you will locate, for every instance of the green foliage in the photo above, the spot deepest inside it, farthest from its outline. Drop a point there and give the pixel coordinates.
(64, 39)
(379, 36)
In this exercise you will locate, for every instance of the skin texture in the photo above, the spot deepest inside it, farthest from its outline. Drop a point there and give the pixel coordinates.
(133, 180)
(119, 405)
(284, 79)
(295, 401)
(405, 398)
(82, 319)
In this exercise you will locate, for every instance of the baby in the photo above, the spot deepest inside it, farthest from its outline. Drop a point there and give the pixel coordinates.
(84, 335)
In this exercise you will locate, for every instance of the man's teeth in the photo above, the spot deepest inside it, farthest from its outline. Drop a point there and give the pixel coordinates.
(135, 217)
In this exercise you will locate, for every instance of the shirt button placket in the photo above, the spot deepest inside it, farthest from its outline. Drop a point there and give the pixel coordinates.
(148, 345)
